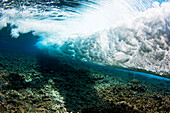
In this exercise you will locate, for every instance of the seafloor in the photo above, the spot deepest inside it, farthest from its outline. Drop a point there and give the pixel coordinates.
(38, 82)
(33, 81)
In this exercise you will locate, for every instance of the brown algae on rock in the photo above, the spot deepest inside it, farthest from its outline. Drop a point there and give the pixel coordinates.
(135, 81)
(53, 85)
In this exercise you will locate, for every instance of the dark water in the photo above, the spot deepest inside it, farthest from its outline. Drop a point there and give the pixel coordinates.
(25, 42)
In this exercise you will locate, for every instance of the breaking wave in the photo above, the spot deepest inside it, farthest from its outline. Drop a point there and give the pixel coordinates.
(127, 33)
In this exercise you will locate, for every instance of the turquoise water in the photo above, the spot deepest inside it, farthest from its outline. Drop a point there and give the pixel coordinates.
(95, 48)
(127, 34)
(85, 45)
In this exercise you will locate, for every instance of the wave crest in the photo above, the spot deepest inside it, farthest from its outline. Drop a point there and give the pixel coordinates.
(141, 43)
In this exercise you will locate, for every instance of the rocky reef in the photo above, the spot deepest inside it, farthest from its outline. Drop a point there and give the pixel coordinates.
(42, 83)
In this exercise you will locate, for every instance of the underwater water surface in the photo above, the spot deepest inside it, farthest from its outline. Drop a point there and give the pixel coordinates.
(95, 56)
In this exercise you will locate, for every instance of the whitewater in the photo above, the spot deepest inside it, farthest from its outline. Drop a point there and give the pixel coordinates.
(131, 34)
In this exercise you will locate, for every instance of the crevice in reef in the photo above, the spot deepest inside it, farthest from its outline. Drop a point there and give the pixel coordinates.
(57, 84)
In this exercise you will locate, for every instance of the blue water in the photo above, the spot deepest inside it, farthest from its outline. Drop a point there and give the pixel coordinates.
(71, 52)
(50, 38)
(26, 42)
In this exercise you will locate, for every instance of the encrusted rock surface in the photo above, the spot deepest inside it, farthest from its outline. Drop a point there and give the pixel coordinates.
(45, 84)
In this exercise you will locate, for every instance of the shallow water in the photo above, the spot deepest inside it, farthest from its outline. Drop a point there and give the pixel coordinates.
(41, 69)
(70, 85)
(127, 34)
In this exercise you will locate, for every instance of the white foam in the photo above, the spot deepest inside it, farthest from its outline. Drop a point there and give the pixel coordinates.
(96, 35)
(90, 20)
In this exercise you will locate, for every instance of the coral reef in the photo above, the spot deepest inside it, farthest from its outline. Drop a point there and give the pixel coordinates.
(40, 83)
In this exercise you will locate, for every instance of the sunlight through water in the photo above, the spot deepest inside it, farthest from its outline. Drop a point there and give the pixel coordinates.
(132, 34)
